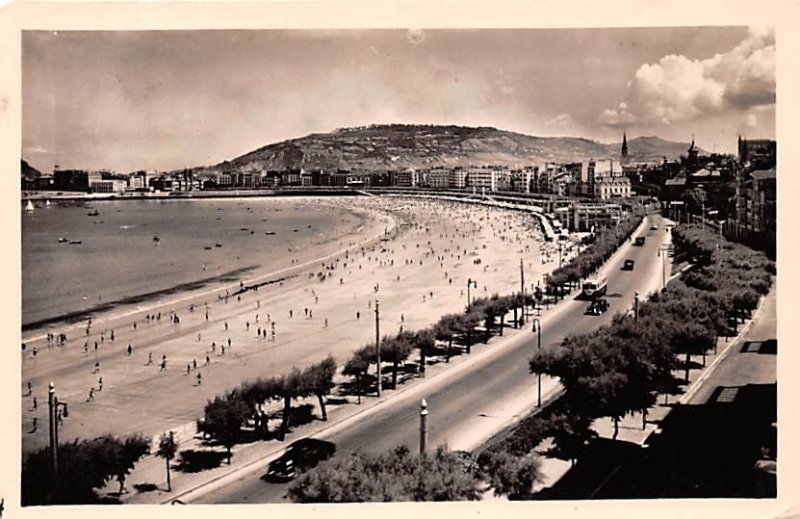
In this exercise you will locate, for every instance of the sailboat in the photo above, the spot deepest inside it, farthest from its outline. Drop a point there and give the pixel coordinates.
(29, 206)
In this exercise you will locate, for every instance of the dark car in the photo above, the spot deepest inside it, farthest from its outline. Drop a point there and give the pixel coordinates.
(628, 265)
(597, 307)
(299, 456)
(654, 227)
(639, 241)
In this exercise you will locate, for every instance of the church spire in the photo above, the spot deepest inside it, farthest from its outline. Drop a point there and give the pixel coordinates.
(624, 147)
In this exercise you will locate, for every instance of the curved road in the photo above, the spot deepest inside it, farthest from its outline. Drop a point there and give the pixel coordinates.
(472, 404)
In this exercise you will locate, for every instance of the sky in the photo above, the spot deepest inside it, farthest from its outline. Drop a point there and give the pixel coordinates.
(130, 100)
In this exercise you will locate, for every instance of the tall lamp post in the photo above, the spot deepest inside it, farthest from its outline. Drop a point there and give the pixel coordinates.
(53, 408)
(522, 291)
(537, 328)
(470, 283)
(423, 425)
(378, 342)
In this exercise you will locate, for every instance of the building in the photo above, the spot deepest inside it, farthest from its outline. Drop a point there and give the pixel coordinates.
(761, 200)
(107, 186)
(405, 178)
(437, 178)
(612, 187)
(458, 178)
(72, 180)
(761, 153)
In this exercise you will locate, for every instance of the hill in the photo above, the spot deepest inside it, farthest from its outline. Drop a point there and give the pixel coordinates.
(395, 146)
(28, 172)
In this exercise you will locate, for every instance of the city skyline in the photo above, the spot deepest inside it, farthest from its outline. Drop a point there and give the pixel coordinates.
(166, 100)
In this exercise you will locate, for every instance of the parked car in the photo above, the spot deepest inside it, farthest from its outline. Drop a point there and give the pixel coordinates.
(597, 307)
(299, 456)
(654, 227)
(639, 241)
(628, 265)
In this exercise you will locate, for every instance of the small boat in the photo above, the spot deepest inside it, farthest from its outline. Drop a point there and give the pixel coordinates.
(93, 213)
(74, 242)
(217, 245)
(269, 233)
(47, 203)
(29, 206)
(207, 247)
(62, 240)
(156, 239)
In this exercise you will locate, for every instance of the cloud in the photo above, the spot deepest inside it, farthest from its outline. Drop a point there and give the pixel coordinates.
(33, 150)
(677, 88)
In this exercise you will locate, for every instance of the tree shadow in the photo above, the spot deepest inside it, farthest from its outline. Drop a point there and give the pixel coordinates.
(192, 461)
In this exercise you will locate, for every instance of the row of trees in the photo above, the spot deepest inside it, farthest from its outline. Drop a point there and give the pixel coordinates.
(603, 244)
(399, 475)
(83, 466)
(619, 369)
(226, 415)
(485, 316)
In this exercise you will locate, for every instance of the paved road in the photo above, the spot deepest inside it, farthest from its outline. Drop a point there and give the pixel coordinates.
(471, 400)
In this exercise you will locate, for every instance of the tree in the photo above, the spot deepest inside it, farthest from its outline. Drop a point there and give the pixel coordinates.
(129, 452)
(425, 341)
(509, 475)
(83, 466)
(571, 432)
(319, 378)
(397, 475)
(224, 417)
(293, 385)
(358, 365)
(167, 447)
(446, 329)
(396, 350)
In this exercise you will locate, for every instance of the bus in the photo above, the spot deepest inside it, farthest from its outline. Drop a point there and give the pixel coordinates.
(593, 288)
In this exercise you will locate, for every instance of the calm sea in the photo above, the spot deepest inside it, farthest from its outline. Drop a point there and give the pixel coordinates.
(132, 248)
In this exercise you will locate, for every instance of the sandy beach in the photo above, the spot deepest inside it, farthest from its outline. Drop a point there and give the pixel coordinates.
(416, 261)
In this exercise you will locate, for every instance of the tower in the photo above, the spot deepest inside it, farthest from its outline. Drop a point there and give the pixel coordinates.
(624, 148)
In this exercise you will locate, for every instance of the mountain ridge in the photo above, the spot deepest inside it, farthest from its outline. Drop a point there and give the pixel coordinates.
(382, 147)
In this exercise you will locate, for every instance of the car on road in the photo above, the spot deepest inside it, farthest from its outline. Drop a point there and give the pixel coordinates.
(654, 227)
(639, 241)
(299, 456)
(597, 307)
(628, 265)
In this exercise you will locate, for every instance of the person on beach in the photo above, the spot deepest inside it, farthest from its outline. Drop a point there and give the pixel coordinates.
(149, 359)
(163, 363)
(35, 403)
(100, 384)
(208, 361)
(96, 367)
(199, 378)
(194, 363)
(130, 349)
(35, 425)
(188, 368)
(91, 394)
(226, 326)
(30, 388)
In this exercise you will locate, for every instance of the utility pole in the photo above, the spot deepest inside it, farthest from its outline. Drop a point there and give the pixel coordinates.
(51, 411)
(636, 307)
(378, 342)
(537, 327)
(522, 290)
(470, 282)
(423, 425)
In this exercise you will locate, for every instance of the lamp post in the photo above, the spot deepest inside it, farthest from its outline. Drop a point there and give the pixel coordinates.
(52, 412)
(378, 343)
(522, 291)
(636, 307)
(423, 425)
(470, 282)
(537, 328)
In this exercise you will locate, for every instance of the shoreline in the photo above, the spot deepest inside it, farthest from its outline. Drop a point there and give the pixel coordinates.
(191, 290)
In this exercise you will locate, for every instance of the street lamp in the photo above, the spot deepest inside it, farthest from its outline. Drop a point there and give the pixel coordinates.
(470, 283)
(423, 425)
(378, 343)
(52, 413)
(537, 328)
